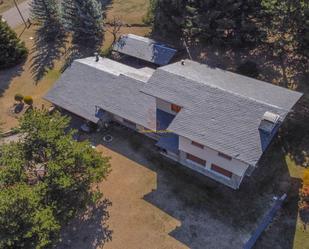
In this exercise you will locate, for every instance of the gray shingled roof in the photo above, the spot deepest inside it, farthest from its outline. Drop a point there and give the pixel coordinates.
(145, 49)
(220, 119)
(235, 83)
(82, 88)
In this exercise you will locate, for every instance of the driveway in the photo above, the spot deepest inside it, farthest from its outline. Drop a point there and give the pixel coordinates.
(13, 17)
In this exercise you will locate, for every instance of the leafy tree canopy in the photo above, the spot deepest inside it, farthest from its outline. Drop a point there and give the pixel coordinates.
(45, 180)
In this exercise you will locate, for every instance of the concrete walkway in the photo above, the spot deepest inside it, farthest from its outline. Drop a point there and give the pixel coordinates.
(12, 16)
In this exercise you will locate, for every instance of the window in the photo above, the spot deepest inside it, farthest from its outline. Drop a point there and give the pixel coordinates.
(224, 156)
(197, 145)
(175, 108)
(128, 122)
(221, 171)
(196, 159)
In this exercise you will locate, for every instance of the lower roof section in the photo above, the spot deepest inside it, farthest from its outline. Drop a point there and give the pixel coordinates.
(83, 89)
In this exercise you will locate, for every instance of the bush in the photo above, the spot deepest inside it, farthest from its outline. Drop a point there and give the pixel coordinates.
(106, 52)
(28, 100)
(248, 68)
(18, 97)
(13, 50)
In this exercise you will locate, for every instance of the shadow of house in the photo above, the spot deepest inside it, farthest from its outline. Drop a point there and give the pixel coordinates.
(88, 231)
(45, 53)
(212, 215)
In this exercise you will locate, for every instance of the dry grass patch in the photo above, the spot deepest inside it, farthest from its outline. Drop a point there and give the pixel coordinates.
(130, 11)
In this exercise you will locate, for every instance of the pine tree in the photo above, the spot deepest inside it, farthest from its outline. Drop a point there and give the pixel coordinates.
(12, 50)
(85, 19)
(224, 22)
(47, 12)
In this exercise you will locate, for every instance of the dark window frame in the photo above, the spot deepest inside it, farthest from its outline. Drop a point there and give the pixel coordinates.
(196, 159)
(221, 171)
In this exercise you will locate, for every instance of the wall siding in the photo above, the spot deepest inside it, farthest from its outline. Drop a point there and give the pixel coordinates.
(165, 106)
(211, 156)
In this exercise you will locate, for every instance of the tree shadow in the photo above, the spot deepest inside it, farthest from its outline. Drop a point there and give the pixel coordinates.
(46, 51)
(88, 231)
(7, 75)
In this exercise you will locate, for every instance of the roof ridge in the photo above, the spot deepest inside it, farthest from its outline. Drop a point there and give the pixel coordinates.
(222, 89)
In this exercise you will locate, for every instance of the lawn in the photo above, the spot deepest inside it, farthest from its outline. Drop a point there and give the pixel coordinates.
(155, 203)
(7, 4)
(130, 11)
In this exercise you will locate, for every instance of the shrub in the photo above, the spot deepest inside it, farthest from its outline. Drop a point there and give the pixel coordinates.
(18, 97)
(13, 50)
(28, 100)
(248, 68)
(106, 52)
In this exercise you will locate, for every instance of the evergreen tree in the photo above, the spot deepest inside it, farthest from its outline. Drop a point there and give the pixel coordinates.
(45, 180)
(85, 19)
(223, 22)
(47, 13)
(12, 50)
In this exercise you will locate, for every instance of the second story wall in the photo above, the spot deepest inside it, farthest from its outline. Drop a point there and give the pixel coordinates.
(165, 106)
(211, 157)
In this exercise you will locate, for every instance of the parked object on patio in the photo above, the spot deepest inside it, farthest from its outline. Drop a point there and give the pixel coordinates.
(88, 127)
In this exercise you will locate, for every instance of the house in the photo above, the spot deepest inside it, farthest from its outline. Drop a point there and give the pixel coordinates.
(144, 49)
(213, 121)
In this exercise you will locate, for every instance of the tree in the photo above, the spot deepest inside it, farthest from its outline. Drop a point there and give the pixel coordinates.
(24, 222)
(85, 19)
(47, 13)
(12, 50)
(231, 22)
(45, 180)
(288, 20)
(116, 24)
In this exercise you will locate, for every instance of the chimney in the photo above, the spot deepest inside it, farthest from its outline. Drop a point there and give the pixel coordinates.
(182, 62)
(97, 58)
(269, 122)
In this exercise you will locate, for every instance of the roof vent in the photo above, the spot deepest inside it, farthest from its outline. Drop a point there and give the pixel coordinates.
(269, 122)
(97, 58)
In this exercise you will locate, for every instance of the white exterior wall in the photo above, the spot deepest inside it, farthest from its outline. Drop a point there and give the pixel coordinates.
(164, 106)
(211, 156)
